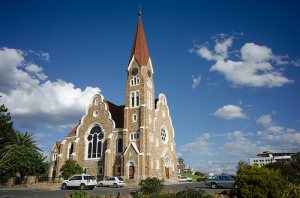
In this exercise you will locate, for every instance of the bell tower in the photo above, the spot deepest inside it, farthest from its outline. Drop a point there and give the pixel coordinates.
(139, 95)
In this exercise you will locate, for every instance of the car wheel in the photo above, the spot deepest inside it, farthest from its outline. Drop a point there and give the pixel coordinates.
(82, 187)
(214, 185)
(101, 185)
(115, 186)
(64, 186)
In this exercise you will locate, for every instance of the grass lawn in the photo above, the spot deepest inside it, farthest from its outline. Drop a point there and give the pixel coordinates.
(194, 177)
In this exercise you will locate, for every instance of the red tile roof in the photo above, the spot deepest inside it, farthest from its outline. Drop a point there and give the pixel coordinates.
(58, 144)
(73, 132)
(117, 113)
(139, 48)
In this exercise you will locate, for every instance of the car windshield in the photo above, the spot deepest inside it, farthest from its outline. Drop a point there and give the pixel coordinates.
(120, 178)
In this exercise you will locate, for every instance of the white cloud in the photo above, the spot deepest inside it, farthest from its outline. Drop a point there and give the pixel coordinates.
(42, 55)
(229, 112)
(265, 120)
(200, 146)
(196, 81)
(55, 104)
(255, 68)
(179, 155)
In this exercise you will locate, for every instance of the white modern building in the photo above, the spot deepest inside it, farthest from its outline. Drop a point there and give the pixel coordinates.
(269, 157)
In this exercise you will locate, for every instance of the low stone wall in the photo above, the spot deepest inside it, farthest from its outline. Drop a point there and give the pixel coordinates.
(34, 185)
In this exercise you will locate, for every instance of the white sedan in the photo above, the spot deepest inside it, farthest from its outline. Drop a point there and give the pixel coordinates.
(112, 181)
(185, 179)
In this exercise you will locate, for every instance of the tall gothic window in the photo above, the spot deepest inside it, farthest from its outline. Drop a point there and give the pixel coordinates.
(134, 99)
(119, 145)
(95, 142)
(71, 150)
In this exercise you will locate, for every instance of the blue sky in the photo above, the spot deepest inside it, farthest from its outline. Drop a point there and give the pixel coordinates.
(230, 70)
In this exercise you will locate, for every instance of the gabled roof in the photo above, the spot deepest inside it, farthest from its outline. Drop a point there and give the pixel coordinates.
(73, 132)
(140, 48)
(58, 144)
(117, 113)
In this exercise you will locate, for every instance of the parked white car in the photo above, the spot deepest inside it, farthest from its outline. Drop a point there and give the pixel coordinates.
(79, 181)
(112, 181)
(185, 179)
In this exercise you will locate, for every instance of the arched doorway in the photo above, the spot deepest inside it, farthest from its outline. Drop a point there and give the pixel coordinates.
(131, 169)
(167, 167)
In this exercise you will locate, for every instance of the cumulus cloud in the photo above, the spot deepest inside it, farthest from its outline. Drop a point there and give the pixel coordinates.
(265, 120)
(255, 69)
(196, 81)
(229, 112)
(32, 101)
(200, 146)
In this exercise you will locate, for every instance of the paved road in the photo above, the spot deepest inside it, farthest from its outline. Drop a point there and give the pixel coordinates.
(53, 193)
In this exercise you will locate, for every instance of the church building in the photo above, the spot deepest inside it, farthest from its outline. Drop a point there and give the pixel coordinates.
(135, 140)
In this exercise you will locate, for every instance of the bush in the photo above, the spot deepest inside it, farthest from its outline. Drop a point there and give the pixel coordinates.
(70, 168)
(292, 191)
(286, 170)
(200, 179)
(192, 193)
(79, 194)
(260, 182)
(151, 185)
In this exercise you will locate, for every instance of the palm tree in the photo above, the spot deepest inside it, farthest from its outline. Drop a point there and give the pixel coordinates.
(19, 140)
(180, 161)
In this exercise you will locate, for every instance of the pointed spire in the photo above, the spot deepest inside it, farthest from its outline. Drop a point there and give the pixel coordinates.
(140, 48)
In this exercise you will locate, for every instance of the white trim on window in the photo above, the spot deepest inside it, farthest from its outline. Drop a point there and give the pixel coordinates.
(134, 136)
(134, 99)
(134, 118)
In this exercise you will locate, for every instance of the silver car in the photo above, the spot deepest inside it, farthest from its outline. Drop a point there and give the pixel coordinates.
(185, 179)
(112, 181)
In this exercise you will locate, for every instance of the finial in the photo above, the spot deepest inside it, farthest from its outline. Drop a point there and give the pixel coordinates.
(140, 12)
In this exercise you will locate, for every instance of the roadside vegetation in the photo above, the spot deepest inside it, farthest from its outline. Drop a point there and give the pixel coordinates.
(18, 151)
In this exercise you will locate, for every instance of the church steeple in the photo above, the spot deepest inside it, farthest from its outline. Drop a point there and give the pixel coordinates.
(139, 48)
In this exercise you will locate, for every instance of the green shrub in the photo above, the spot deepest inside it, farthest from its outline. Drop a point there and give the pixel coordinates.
(286, 170)
(260, 182)
(292, 191)
(151, 185)
(79, 194)
(192, 193)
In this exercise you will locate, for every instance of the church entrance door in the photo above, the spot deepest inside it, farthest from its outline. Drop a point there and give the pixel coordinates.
(131, 172)
(167, 173)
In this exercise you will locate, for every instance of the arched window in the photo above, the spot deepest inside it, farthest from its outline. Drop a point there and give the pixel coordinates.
(94, 140)
(119, 145)
(71, 149)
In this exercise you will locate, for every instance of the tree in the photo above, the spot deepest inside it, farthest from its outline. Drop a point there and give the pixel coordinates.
(296, 161)
(6, 127)
(23, 160)
(151, 185)
(71, 167)
(180, 161)
(242, 164)
(286, 171)
(260, 182)
(20, 140)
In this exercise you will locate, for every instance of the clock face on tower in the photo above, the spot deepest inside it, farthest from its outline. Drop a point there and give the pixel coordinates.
(149, 73)
(134, 71)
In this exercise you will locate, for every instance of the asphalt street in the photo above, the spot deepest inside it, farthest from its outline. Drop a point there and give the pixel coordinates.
(56, 192)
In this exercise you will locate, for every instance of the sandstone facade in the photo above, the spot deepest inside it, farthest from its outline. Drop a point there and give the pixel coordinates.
(135, 140)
